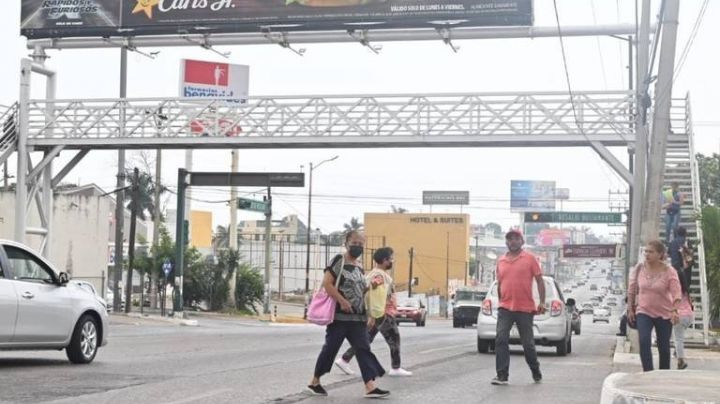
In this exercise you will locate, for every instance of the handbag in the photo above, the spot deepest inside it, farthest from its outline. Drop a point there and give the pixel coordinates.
(321, 310)
(633, 324)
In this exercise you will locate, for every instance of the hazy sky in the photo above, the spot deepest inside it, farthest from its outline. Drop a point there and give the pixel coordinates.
(370, 180)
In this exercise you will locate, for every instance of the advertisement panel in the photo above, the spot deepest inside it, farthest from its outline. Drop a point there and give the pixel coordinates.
(62, 18)
(446, 197)
(214, 79)
(537, 196)
(552, 237)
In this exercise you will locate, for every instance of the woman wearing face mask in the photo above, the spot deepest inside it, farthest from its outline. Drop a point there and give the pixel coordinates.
(350, 319)
(653, 300)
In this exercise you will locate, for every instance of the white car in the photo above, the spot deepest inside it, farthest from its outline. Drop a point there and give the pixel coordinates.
(601, 314)
(41, 308)
(554, 328)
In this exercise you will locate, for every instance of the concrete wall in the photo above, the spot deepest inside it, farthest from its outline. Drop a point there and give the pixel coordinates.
(79, 238)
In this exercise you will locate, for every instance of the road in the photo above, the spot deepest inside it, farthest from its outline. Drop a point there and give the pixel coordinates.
(224, 361)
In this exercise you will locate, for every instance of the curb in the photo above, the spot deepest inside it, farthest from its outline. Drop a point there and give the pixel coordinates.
(171, 320)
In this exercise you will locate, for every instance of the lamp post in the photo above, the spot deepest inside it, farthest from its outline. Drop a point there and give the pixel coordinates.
(309, 224)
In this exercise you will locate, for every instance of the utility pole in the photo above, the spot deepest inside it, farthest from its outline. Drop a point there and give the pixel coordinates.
(661, 120)
(131, 248)
(641, 133)
(120, 195)
(447, 276)
(477, 262)
(232, 228)
(410, 271)
(268, 251)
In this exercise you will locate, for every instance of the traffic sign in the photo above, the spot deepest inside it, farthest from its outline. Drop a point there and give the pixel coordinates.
(573, 217)
(590, 251)
(251, 204)
(167, 267)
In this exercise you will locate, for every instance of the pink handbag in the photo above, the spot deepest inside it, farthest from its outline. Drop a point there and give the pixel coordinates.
(321, 310)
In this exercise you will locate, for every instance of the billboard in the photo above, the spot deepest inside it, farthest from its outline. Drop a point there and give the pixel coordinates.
(532, 196)
(552, 237)
(87, 18)
(446, 197)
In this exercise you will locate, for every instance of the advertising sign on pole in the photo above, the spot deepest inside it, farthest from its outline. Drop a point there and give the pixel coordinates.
(87, 18)
(446, 197)
(527, 196)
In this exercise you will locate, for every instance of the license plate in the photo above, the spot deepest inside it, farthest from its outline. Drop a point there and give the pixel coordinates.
(403, 315)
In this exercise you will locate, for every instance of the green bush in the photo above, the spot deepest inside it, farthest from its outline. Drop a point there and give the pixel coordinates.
(711, 240)
(248, 289)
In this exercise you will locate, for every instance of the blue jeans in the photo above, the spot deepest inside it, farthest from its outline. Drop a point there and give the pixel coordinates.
(524, 322)
(663, 331)
(672, 221)
(356, 333)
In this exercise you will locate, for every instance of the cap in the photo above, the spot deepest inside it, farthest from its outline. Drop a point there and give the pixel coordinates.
(512, 231)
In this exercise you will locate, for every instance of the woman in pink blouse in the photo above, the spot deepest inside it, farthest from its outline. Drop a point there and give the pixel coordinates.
(653, 300)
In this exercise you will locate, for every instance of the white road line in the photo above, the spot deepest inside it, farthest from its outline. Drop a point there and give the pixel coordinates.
(445, 348)
(201, 396)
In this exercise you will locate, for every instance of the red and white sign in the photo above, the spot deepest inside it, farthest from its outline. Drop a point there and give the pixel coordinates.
(212, 79)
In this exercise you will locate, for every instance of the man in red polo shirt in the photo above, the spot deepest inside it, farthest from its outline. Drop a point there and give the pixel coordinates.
(516, 271)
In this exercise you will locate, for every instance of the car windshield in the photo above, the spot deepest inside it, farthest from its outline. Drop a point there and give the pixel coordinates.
(409, 303)
(602, 312)
(469, 295)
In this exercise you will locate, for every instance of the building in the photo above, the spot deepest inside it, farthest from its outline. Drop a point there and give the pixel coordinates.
(439, 243)
(289, 228)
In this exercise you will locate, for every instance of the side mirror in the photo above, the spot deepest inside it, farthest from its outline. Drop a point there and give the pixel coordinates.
(63, 278)
(570, 302)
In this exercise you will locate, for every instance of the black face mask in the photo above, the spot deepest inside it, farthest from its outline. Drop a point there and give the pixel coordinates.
(390, 265)
(355, 250)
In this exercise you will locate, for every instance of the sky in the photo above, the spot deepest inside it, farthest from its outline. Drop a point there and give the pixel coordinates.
(371, 180)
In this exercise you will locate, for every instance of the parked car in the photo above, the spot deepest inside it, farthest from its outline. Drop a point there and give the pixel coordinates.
(411, 310)
(601, 315)
(553, 328)
(40, 308)
(466, 306)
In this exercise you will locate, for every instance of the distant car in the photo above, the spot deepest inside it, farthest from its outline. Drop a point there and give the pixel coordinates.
(593, 286)
(601, 315)
(587, 308)
(567, 290)
(40, 308)
(411, 310)
(466, 306)
(553, 328)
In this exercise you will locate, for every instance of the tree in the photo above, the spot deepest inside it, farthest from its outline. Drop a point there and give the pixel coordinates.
(711, 240)
(209, 282)
(709, 175)
(146, 194)
(493, 229)
(354, 225)
(398, 209)
(248, 289)
(221, 238)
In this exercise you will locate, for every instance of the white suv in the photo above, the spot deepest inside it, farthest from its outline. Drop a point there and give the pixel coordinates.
(41, 309)
(550, 329)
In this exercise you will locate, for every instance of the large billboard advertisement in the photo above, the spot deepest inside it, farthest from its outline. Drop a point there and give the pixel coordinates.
(87, 18)
(532, 196)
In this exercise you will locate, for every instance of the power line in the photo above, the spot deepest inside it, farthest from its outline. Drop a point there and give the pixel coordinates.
(597, 41)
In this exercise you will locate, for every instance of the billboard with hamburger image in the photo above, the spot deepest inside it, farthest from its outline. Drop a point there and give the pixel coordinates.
(162, 17)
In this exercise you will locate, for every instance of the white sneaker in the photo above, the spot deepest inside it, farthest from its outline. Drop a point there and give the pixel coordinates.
(344, 366)
(399, 372)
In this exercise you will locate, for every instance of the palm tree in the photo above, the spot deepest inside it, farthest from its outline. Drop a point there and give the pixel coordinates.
(146, 193)
(354, 225)
(221, 238)
(398, 209)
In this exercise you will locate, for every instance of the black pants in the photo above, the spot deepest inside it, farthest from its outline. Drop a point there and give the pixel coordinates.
(623, 324)
(387, 326)
(357, 335)
(524, 322)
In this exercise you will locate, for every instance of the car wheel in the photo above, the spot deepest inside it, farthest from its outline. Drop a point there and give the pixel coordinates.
(422, 324)
(569, 344)
(483, 345)
(456, 324)
(562, 347)
(84, 342)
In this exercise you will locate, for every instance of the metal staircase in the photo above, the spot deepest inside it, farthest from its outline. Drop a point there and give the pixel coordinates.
(8, 131)
(681, 167)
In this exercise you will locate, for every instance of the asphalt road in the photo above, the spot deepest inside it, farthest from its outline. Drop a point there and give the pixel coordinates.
(230, 361)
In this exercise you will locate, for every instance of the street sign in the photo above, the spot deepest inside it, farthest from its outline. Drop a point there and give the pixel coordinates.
(573, 217)
(167, 267)
(590, 251)
(217, 179)
(251, 204)
(446, 197)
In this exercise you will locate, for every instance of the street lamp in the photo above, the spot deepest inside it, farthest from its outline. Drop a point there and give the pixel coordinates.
(307, 241)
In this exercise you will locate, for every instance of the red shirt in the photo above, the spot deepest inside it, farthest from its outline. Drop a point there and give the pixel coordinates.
(515, 276)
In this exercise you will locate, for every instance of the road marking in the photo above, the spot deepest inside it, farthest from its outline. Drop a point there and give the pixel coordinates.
(445, 348)
(201, 396)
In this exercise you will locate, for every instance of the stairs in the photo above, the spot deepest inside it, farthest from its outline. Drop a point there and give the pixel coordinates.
(681, 167)
(8, 131)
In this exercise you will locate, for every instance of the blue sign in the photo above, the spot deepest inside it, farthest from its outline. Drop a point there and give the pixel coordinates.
(532, 196)
(167, 267)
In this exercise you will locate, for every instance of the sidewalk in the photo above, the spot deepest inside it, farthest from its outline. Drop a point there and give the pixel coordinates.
(696, 384)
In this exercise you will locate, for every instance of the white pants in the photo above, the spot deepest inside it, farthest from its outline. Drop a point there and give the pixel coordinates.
(679, 331)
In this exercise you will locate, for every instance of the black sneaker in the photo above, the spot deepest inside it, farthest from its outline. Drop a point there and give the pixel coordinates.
(499, 380)
(537, 376)
(317, 390)
(377, 393)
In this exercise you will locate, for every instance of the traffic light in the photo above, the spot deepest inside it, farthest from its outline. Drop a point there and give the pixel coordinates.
(533, 217)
